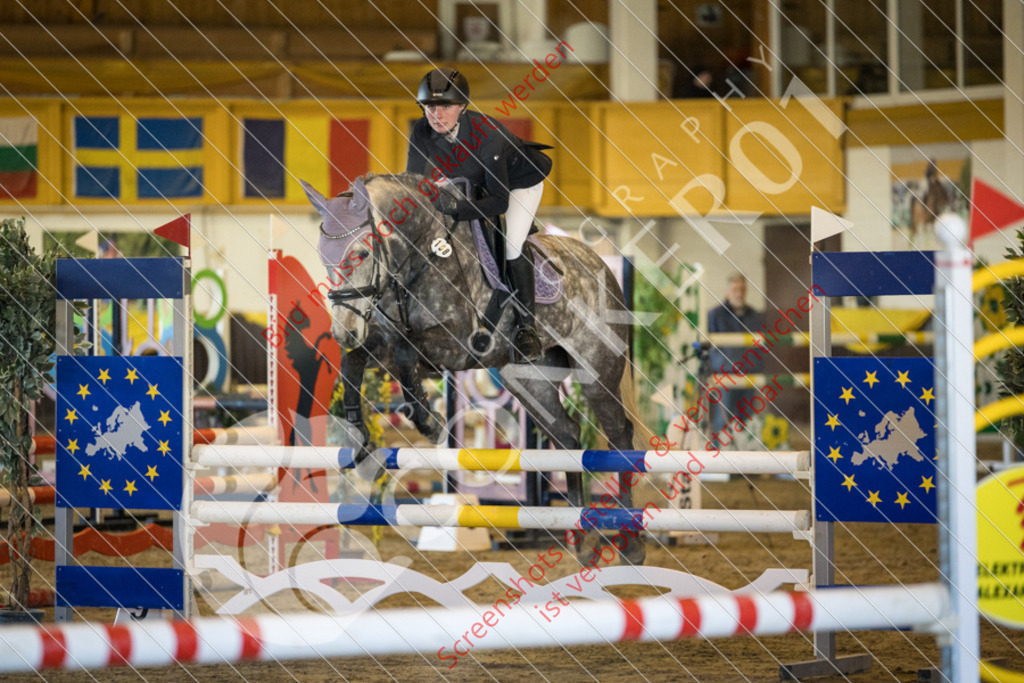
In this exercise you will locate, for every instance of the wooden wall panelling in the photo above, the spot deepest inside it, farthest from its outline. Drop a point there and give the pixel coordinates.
(382, 14)
(643, 157)
(926, 123)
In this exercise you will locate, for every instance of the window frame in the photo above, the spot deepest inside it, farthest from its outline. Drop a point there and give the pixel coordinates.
(893, 94)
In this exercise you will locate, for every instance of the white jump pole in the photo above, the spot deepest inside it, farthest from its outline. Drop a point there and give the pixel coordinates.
(495, 460)
(958, 540)
(501, 517)
(402, 631)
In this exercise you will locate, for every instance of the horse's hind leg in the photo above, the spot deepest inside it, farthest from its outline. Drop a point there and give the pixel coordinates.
(603, 394)
(536, 387)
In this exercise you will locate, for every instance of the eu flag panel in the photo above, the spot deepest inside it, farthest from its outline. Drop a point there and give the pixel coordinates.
(874, 450)
(119, 432)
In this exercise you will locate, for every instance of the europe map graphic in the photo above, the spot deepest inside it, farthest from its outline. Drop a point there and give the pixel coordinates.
(875, 439)
(119, 432)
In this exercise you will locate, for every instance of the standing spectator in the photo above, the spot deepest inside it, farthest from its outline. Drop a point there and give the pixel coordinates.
(733, 316)
(698, 83)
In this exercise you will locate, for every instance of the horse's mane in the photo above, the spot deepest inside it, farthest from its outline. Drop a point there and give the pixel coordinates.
(410, 182)
(404, 177)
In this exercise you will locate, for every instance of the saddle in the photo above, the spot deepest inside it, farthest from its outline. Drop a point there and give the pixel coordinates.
(490, 250)
(548, 278)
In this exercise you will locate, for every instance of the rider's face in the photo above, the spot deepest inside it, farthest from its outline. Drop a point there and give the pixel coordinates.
(443, 117)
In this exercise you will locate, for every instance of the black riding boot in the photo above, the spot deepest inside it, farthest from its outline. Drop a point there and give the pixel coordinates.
(527, 343)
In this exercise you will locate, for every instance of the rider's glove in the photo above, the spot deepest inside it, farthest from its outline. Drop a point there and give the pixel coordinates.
(447, 204)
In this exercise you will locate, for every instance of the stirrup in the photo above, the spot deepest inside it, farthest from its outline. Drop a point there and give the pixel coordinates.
(527, 345)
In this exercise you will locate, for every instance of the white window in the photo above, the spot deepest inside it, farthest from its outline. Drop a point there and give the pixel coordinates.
(865, 47)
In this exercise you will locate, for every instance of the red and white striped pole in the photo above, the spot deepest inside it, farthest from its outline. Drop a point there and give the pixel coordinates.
(402, 631)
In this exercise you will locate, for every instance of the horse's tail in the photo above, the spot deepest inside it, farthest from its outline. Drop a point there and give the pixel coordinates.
(641, 433)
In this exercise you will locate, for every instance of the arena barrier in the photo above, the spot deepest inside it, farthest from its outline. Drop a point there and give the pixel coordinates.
(403, 631)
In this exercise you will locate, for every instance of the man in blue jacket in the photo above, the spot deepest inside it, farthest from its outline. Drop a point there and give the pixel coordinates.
(733, 316)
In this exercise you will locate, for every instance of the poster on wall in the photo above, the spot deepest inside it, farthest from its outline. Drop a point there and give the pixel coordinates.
(927, 180)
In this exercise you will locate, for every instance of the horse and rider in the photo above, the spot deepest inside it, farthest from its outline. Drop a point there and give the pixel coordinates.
(425, 293)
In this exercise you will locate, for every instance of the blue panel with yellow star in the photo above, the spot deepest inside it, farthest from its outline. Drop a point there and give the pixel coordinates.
(874, 450)
(119, 432)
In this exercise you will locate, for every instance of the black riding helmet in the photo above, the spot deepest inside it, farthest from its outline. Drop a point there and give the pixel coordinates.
(443, 86)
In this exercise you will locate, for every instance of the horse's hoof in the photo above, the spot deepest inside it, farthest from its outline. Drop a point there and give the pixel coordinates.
(371, 466)
(433, 429)
(527, 348)
(635, 553)
(588, 550)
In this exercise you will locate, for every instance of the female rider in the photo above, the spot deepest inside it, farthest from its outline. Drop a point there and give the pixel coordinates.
(506, 173)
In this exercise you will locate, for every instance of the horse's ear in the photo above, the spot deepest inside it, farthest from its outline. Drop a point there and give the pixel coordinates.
(315, 198)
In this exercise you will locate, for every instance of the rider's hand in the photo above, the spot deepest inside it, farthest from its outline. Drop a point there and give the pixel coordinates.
(447, 204)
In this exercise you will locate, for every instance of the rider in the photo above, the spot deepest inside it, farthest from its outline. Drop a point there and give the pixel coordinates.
(506, 173)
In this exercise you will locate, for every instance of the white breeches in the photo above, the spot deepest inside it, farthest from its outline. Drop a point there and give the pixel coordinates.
(522, 208)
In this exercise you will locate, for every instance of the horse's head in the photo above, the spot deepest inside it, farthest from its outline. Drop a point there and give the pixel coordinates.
(352, 251)
(357, 248)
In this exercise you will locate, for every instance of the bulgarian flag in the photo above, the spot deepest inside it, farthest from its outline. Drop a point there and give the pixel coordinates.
(19, 141)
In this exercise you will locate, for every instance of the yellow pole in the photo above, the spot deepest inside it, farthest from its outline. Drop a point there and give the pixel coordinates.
(1008, 337)
(990, 673)
(998, 410)
(987, 275)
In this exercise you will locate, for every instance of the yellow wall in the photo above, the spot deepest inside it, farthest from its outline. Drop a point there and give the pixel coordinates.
(656, 159)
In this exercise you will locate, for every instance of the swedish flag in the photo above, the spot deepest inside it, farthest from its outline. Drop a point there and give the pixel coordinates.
(124, 158)
(119, 432)
(874, 444)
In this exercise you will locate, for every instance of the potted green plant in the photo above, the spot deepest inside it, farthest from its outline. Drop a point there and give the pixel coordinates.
(28, 312)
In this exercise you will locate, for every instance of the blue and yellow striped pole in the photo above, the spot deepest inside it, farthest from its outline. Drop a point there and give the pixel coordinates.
(502, 460)
(652, 518)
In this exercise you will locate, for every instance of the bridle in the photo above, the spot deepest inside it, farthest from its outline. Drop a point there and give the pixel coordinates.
(380, 280)
(373, 291)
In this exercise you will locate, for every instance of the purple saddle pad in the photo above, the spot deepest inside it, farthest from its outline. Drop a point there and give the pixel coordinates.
(548, 282)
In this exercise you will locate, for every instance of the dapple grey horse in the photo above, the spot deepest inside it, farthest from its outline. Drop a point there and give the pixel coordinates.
(409, 293)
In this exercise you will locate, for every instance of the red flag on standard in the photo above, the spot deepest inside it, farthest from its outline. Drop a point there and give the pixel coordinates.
(179, 230)
(991, 210)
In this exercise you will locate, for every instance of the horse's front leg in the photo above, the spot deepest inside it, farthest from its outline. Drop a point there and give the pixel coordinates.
(416, 407)
(352, 368)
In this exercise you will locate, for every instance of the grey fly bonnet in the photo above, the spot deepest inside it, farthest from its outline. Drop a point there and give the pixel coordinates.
(346, 219)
